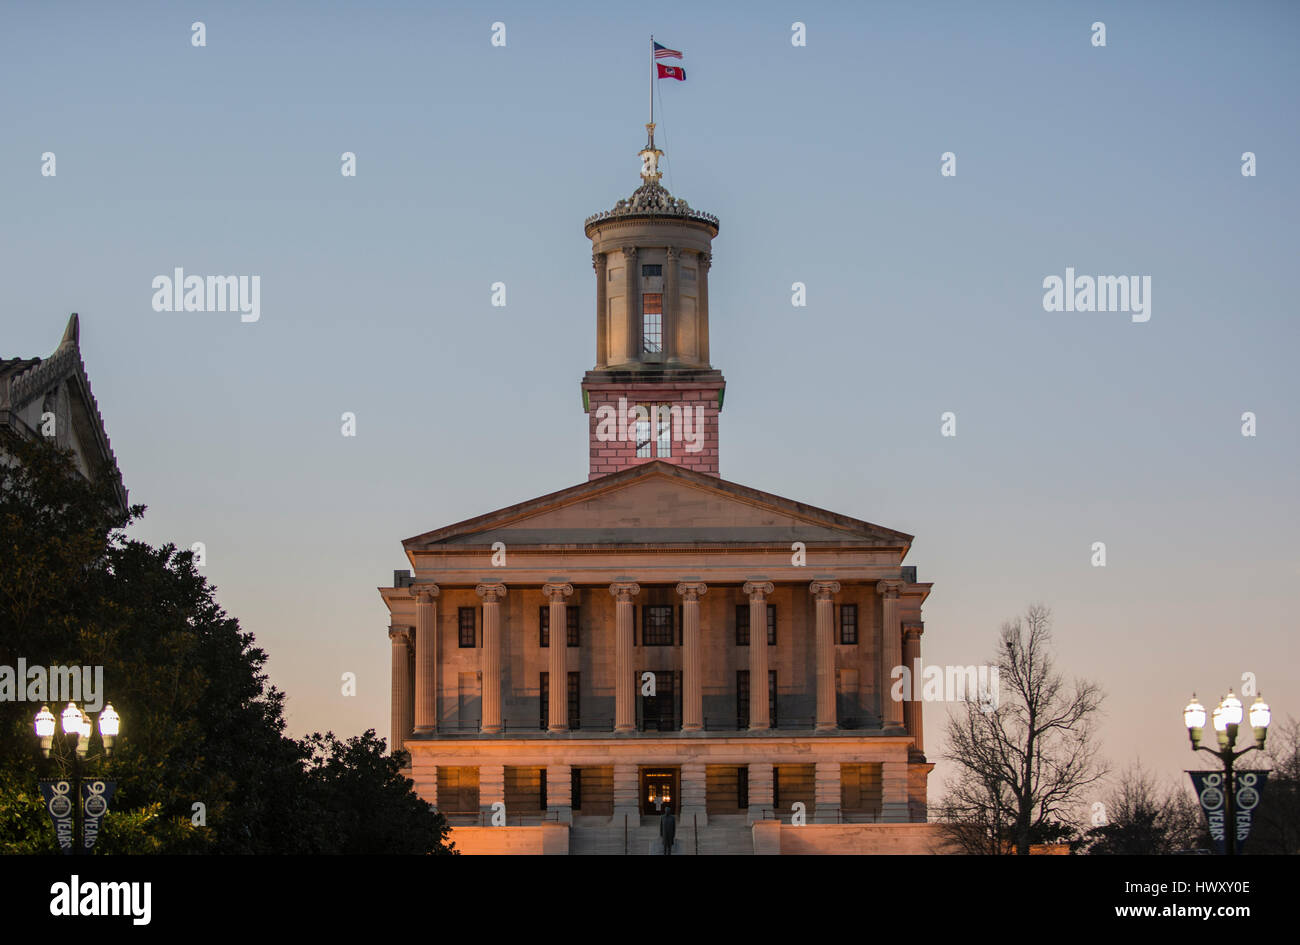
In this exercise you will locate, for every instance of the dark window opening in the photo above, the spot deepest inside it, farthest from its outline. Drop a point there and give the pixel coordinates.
(848, 623)
(544, 625)
(657, 625)
(467, 624)
(742, 625)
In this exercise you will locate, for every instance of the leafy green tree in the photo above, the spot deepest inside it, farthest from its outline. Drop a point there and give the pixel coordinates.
(358, 787)
(203, 729)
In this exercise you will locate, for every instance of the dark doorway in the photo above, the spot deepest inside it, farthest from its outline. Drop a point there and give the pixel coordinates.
(659, 790)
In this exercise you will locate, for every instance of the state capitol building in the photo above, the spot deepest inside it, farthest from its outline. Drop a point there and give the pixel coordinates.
(657, 637)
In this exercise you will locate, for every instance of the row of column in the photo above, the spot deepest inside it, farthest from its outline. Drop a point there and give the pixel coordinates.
(762, 801)
(425, 721)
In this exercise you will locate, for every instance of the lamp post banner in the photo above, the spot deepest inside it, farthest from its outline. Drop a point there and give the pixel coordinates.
(1209, 791)
(1250, 791)
(1213, 797)
(95, 796)
(60, 805)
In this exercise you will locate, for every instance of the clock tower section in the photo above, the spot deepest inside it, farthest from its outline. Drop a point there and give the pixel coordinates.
(652, 394)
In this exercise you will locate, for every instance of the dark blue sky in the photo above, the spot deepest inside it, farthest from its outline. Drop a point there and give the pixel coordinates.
(478, 164)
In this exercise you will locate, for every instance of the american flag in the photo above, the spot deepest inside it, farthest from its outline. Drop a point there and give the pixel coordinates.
(663, 52)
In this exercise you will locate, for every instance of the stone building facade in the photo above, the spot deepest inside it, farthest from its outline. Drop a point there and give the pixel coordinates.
(657, 637)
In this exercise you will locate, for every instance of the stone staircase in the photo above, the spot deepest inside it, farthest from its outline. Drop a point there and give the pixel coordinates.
(722, 836)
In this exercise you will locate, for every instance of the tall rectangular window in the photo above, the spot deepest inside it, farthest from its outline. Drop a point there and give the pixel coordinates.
(659, 712)
(544, 625)
(657, 625)
(468, 636)
(652, 322)
(742, 698)
(575, 701)
(575, 788)
(654, 431)
(742, 625)
(544, 702)
(848, 623)
(544, 699)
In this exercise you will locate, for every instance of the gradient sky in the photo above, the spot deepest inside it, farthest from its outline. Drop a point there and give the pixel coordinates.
(478, 164)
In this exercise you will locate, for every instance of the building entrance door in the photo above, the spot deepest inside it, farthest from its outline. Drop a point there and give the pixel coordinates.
(659, 790)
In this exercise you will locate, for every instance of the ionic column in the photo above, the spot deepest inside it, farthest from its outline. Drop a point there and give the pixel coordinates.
(692, 670)
(490, 660)
(671, 320)
(426, 658)
(401, 705)
(702, 330)
(600, 264)
(912, 659)
(760, 714)
(624, 683)
(559, 664)
(824, 594)
(891, 652)
(633, 285)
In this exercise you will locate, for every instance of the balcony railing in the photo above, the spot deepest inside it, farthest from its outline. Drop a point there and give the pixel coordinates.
(835, 816)
(483, 818)
(720, 724)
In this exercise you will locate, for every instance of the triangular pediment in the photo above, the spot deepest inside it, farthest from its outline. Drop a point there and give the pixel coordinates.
(662, 504)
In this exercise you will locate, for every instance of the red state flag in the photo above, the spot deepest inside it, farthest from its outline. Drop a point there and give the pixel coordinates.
(671, 72)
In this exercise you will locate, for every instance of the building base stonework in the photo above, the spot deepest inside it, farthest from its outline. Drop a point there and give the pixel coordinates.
(609, 812)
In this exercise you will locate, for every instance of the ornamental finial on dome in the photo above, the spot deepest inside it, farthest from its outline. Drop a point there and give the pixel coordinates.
(650, 156)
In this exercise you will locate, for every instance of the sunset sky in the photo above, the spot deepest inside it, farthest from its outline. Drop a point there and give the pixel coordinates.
(477, 164)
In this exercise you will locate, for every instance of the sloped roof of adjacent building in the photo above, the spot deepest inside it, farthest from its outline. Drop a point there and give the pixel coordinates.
(24, 380)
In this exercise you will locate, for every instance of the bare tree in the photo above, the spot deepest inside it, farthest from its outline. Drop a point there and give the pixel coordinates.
(1025, 752)
(1142, 817)
(1277, 822)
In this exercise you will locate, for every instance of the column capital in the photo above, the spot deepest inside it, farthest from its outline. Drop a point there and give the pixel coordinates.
(491, 593)
(556, 593)
(400, 635)
(889, 589)
(624, 591)
(706, 261)
(629, 252)
(824, 590)
(598, 261)
(673, 252)
(913, 629)
(757, 591)
(424, 593)
(692, 590)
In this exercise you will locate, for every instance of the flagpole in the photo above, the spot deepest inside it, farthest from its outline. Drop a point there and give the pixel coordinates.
(652, 78)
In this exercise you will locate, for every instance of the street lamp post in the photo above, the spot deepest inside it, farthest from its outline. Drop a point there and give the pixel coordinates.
(1226, 718)
(77, 727)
